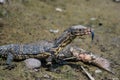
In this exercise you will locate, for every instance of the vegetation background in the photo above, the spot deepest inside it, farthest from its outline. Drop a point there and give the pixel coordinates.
(26, 21)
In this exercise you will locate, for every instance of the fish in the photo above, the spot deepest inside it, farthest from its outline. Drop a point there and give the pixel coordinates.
(89, 57)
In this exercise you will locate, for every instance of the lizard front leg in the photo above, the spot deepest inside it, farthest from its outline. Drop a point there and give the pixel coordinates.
(50, 63)
(9, 61)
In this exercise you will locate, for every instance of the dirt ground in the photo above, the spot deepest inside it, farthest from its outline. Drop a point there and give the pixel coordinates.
(27, 21)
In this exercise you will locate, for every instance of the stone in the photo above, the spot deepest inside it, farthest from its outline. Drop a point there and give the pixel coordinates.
(116, 0)
(46, 76)
(32, 63)
(58, 9)
(98, 71)
(92, 19)
(54, 31)
(2, 1)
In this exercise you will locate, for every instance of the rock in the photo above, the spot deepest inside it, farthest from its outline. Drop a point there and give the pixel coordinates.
(46, 76)
(32, 63)
(92, 19)
(98, 71)
(54, 31)
(116, 0)
(58, 9)
(2, 1)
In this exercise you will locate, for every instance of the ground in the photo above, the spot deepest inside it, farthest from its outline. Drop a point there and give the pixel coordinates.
(26, 21)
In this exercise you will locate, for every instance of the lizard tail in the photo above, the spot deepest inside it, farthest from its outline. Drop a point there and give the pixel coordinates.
(103, 63)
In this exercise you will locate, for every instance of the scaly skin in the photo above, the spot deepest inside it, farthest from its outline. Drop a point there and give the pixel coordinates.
(24, 51)
(43, 49)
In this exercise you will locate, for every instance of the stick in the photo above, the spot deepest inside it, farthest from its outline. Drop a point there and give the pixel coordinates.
(88, 74)
(69, 58)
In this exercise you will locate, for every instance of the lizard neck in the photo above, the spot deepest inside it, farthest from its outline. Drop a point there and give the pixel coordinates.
(66, 38)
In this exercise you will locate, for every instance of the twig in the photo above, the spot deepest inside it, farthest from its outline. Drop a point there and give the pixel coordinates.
(69, 58)
(88, 74)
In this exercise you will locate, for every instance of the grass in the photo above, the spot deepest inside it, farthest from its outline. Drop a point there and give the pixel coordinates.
(30, 21)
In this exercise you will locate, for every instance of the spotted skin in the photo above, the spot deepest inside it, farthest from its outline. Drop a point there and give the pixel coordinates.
(43, 49)
(24, 51)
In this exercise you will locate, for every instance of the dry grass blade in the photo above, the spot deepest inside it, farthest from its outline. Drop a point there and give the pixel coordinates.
(87, 73)
(69, 58)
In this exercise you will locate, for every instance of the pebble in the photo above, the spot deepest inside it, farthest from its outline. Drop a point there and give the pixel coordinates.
(2, 1)
(92, 19)
(58, 9)
(98, 71)
(46, 76)
(32, 63)
(54, 31)
(116, 0)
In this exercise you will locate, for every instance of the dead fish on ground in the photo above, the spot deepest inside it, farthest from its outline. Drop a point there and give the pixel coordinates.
(89, 57)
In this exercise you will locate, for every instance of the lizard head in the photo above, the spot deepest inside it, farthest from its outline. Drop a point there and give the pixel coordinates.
(80, 30)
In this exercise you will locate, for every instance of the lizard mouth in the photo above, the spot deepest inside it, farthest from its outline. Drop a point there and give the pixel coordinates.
(87, 31)
(90, 32)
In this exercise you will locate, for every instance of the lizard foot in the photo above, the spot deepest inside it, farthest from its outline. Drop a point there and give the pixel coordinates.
(9, 67)
(50, 67)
